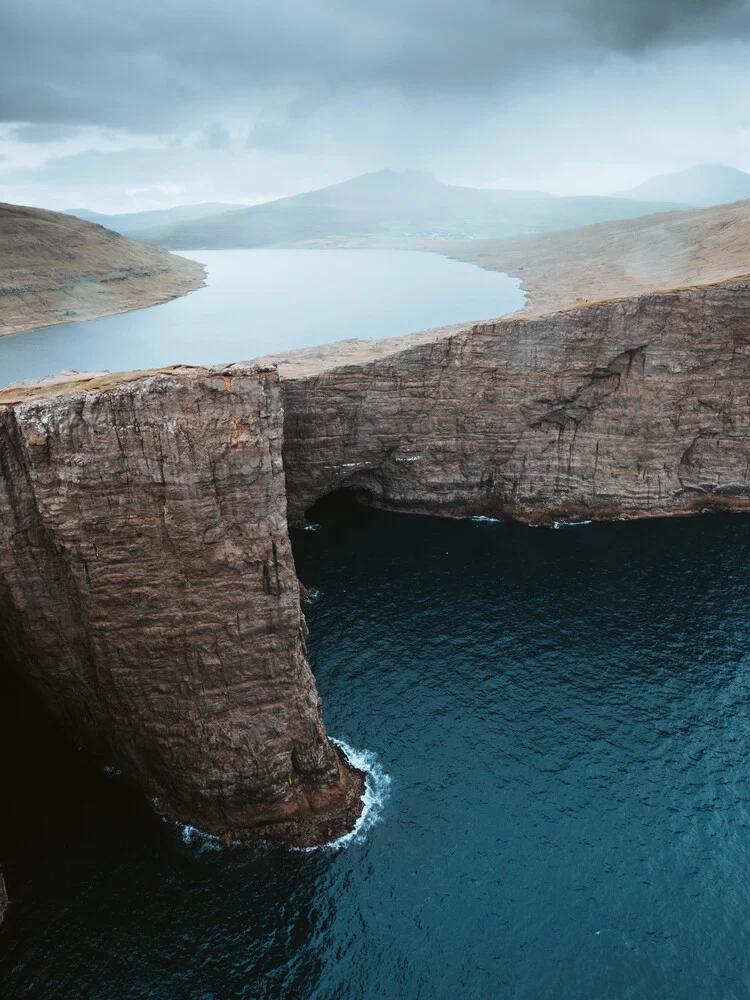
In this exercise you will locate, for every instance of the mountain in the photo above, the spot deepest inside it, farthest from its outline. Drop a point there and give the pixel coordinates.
(130, 222)
(389, 209)
(710, 184)
(55, 268)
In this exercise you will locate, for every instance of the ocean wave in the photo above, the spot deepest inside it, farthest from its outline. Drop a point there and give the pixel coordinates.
(197, 839)
(569, 524)
(377, 789)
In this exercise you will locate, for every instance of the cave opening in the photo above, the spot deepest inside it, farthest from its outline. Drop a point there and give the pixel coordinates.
(340, 502)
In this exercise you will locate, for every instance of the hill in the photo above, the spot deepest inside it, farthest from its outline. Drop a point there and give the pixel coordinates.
(619, 259)
(131, 222)
(55, 268)
(389, 209)
(709, 184)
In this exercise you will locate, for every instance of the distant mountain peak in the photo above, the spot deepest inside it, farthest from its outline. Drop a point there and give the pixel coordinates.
(703, 185)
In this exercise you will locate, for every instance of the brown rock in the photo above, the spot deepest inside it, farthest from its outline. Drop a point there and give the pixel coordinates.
(147, 584)
(636, 407)
(147, 587)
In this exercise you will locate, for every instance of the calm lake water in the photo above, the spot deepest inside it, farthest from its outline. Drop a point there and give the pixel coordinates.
(563, 719)
(263, 301)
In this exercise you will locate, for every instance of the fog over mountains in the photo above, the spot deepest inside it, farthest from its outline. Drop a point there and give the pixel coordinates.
(133, 222)
(389, 208)
(708, 184)
(384, 208)
(186, 103)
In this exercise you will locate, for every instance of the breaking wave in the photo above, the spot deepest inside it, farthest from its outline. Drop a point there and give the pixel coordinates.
(377, 787)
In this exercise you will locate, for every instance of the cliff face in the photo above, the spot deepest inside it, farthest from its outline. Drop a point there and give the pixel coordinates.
(634, 407)
(147, 587)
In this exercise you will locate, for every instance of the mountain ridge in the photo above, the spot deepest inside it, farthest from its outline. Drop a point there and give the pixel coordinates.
(389, 209)
(705, 185)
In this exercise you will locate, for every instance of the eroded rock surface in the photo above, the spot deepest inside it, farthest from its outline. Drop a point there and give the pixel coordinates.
(635, 407)
(147, 584)
(147, 588)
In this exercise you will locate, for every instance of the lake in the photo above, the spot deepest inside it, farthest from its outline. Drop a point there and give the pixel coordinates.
(263, 301)
(560, 723)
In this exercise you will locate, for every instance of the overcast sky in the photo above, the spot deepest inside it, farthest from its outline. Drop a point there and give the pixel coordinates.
(119, 106)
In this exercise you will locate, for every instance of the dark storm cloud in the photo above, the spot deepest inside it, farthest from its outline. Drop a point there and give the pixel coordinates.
(174, 63)
(44, 132)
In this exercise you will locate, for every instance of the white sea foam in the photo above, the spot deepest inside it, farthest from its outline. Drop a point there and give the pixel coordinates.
(194, 837)
(479, 518)
(569, 524)
(377, 786)
(377, 789)
(312, 527)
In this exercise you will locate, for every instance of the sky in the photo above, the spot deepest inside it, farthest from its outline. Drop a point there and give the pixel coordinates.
(122, 106)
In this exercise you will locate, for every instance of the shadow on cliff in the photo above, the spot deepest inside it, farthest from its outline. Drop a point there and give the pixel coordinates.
(78, 841)
(51, 788)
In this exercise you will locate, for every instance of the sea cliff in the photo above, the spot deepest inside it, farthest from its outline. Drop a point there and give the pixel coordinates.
(147, 583)
(636, 407)
(147, 589)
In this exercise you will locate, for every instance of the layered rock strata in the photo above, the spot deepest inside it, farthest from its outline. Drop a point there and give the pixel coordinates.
(147, 585)
(628, 408)
(148, 590)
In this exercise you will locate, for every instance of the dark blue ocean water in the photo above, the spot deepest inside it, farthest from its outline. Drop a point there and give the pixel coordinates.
(564, 719)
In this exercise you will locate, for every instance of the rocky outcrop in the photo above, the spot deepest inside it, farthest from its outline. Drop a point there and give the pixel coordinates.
(147, 588)
(147, 585)
(629, 408)
(55, 268)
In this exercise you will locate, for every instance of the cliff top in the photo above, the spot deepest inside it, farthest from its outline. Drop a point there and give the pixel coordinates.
(55, 268)
(305, 362)
(75, 382)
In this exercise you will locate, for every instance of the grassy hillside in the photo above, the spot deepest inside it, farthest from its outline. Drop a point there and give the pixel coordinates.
(55, 268)
(617, 259)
